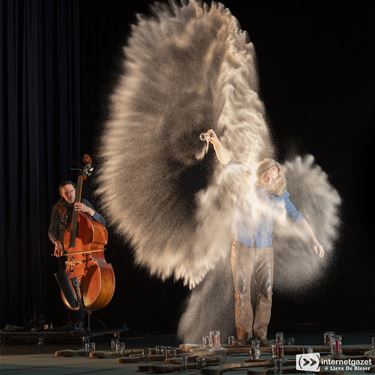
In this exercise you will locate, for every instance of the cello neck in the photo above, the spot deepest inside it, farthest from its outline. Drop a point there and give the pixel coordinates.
(78, 198)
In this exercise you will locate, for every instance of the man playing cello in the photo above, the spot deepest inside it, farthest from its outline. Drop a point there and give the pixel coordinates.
(60, 218)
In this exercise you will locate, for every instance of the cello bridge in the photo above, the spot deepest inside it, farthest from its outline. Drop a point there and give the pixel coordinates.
(73, 263)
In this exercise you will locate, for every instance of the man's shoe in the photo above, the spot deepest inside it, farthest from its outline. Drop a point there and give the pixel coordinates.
(249, 341)
(264, 341)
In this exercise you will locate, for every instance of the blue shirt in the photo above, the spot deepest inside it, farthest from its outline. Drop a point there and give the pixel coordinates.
(263, 235)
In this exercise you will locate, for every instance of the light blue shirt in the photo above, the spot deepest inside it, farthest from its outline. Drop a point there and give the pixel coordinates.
(263, 235)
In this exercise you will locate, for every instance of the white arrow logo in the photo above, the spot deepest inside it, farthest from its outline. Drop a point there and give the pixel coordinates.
(308, 362)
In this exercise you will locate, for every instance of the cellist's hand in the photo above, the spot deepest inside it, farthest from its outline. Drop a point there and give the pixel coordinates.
(59, 251)
(81, 207)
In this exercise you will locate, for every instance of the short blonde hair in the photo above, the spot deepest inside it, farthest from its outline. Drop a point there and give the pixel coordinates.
(264, 166)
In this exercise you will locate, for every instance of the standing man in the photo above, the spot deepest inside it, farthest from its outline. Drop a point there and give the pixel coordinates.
(60, 218)
(252, 256)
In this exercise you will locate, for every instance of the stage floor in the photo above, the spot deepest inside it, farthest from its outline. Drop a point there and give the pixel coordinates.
(35, 359)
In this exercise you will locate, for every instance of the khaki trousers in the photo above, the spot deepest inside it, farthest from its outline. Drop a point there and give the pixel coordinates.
(252, 271)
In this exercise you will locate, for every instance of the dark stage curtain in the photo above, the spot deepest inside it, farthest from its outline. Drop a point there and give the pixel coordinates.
(39, 138)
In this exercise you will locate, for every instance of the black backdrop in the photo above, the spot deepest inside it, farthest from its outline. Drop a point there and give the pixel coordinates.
(60, 61)
(40, 136)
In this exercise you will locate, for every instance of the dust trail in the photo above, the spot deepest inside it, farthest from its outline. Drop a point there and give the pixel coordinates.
(187, 69)
(211, 305)
(295, 264)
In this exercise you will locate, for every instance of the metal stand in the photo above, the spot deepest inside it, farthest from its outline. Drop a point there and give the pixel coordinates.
(88, 311)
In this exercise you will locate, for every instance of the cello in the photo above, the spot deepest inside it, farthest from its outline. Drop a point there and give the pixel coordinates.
(91, 279)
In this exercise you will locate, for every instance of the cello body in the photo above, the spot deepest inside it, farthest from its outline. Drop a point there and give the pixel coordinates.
(86, 263)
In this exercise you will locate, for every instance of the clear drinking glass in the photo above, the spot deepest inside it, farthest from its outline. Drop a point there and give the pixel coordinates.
(211, 335)
(277, 350)
(255, 349)
(290, 341)
(114, 343)
(205, 341)
(231, 340)
(90, 347)
(280, 337)
(336, 345)
(215, 339)
(120, 348)
(327, 337)
(146, 353)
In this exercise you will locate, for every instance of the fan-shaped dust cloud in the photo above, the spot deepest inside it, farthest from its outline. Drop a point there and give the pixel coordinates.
(186, 69)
